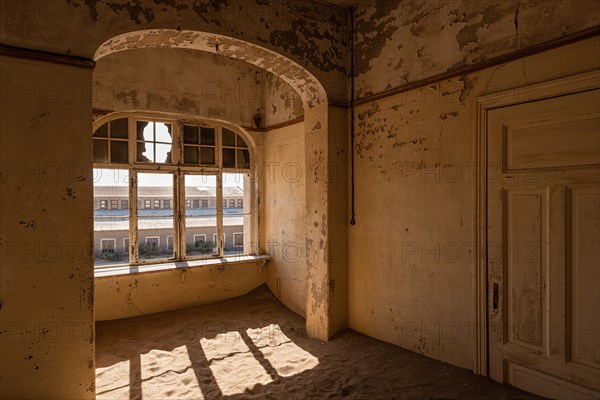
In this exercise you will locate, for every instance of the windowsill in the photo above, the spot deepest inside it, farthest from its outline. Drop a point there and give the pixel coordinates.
(105, 272)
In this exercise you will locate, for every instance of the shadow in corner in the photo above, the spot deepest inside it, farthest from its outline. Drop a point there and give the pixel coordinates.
(254, 347)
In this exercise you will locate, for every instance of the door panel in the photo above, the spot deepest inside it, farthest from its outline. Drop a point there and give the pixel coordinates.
(526, 269)
(543, 144)
(544, 245)
(585, 275)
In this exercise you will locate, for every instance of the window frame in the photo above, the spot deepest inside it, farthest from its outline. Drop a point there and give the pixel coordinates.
(198, 235)
(237, 234)
(179, 170)
(114, 242)
(153, 237)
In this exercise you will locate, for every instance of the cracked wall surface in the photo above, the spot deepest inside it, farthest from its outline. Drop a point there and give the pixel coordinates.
(399, 42)
(195, 83)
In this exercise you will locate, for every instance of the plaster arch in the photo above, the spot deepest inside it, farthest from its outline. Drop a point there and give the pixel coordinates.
(324, 147)
(310, 90)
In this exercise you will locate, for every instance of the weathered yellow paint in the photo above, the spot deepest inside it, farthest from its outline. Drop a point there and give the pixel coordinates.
(131, 295)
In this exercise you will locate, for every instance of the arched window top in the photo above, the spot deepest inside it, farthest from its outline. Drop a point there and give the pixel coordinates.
(157, 139)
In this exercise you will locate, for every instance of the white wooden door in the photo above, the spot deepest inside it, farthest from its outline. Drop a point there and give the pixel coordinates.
(544, 245)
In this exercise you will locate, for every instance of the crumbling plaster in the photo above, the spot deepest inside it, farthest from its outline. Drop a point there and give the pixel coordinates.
(399, 42)
(193, 82)
(311, 36)
(306, 85)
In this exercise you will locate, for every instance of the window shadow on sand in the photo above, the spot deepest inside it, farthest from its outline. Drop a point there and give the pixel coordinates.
(254, 347)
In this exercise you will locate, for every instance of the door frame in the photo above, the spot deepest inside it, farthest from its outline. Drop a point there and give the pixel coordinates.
(524, 94)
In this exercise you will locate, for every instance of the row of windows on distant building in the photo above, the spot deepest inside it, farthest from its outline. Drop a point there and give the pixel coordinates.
(109, 245)
(162, 204)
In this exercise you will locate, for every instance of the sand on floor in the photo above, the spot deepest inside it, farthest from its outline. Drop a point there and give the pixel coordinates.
(254, 347)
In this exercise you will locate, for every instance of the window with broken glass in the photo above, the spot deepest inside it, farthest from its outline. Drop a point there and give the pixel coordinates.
(184, 186)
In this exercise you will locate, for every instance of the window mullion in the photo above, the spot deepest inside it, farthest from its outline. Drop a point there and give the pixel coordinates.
(218, 159)
(179, 215)
(133, 217)
(220, 214)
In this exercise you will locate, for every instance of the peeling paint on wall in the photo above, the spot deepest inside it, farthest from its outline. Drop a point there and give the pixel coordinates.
(398, 42)
(312, 37)
(194, 83)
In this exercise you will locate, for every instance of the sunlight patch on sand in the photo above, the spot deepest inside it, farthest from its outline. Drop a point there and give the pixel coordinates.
(112, 381)
(233, 364)
(281, 352)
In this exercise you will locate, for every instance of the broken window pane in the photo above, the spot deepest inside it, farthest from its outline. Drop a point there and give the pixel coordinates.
(154, 142)
(145, 152)
(163, 132)
(163, 153)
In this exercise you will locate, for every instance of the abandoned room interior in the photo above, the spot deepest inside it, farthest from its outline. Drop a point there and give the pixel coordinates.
(238, 199)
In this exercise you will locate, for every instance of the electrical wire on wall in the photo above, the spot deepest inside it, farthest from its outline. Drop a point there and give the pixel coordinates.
(353, 214)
